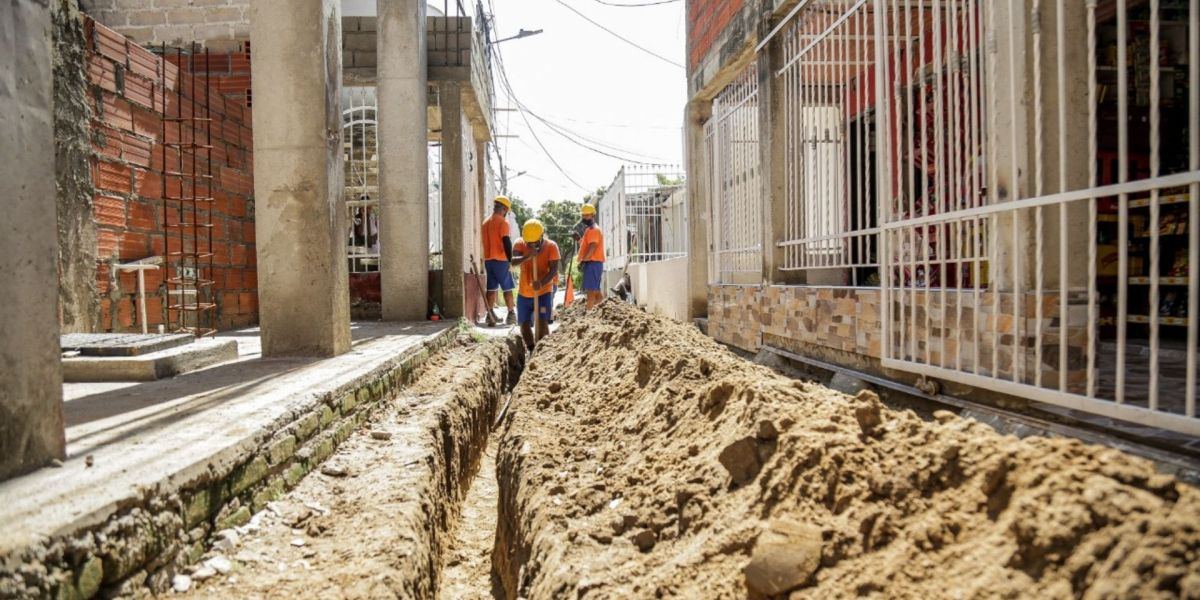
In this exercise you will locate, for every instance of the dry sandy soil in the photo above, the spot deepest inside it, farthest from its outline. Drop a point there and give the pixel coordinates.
(641, 459)
(375, 519)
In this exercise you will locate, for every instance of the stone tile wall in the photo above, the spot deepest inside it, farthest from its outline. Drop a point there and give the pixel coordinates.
(946, 328)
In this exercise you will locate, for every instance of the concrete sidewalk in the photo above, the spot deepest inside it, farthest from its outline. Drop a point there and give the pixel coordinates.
(194, 443)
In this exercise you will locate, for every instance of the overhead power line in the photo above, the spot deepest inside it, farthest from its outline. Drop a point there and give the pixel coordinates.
(636, 4)
(619, 36)
(508, 88)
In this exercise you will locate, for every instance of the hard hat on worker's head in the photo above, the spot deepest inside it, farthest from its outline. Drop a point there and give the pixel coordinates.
(504, 201)
(532, 231)
(588, 209)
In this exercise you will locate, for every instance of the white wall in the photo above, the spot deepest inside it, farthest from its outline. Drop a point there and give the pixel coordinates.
(660, 286)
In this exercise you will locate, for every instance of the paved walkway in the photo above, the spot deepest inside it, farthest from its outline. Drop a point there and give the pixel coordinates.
(124, 439)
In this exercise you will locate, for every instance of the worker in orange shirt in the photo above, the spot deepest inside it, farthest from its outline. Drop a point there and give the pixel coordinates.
(591, 257)
(538, 258)
(497, 255)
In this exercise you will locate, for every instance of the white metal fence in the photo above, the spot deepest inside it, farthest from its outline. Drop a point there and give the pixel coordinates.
(828, 130)
(1020, 177)
(361, 168)
(643, 215)
(1079, 176)
(735, 185)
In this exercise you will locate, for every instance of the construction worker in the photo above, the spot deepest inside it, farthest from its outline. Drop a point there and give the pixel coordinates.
(591, 257)
(497, 256)
(538, 258)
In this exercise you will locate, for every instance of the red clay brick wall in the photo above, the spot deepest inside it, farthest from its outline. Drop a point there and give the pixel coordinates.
(706, 20)
(127, 172)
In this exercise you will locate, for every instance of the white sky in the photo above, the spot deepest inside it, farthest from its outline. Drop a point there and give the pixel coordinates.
(583, 79)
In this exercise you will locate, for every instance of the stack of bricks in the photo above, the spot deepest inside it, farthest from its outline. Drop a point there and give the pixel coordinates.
(127, 116)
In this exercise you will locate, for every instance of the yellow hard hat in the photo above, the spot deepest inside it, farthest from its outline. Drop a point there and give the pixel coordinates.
(532, 231)
(588, 209)
(505, 201)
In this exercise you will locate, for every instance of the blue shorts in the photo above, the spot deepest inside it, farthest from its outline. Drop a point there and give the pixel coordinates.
(545, 308)
(498, 275)
(593, 272)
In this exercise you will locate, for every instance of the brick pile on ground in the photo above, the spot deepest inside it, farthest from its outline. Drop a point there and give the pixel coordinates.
(641, 459)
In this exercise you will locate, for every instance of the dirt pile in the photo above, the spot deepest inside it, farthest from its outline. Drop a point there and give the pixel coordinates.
(641, 459)
(376, 518)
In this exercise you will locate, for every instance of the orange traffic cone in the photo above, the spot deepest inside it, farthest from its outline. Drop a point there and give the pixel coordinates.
(570, 297)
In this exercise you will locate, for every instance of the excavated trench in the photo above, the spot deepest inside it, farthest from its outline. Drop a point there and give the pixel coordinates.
(638, 458)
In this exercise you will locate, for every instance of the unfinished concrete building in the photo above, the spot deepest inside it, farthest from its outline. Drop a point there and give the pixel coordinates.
(218, 167)
(996, 198)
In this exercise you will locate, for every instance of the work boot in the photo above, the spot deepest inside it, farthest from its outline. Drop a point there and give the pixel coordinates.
(511, 319)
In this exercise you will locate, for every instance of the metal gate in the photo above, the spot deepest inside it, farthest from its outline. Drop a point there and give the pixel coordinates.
(361, 161)
(732, 144)
(1040, 199)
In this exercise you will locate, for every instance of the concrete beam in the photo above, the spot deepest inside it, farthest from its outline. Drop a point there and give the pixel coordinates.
(304, 295)
(403, 160)
(31, 418)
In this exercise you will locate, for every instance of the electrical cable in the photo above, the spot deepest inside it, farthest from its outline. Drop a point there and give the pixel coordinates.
(619, 36)
(566, 133)
(636, 5)
(508, 87)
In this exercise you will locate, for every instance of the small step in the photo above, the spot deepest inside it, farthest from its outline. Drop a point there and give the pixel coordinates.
(168, 362)
(121, 344)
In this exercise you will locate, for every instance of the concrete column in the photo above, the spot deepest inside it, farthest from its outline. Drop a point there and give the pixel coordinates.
(1010, 99)
(31, 418)
(453, 194)
(403, 160)
(300, 219)
(1074, 126)
(699, 231)
(774, 160)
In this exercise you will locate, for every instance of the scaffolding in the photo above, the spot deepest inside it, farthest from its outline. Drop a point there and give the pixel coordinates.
(185, 140)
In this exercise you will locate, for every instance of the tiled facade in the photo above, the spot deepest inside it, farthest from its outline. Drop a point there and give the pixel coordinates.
(942, 331)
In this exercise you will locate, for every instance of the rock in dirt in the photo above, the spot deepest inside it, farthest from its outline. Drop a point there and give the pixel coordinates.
(645, 540)
(181, 583)
(203, 573)
(227, 539)
(334, 470)
(378, 434)
(847, 384)
(869, 412)
(740, 459)
(786, 556)
(219, 564)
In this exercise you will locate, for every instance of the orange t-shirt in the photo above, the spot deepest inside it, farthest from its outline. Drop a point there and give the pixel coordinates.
(592, 234)
(541, 262)
(495, 229)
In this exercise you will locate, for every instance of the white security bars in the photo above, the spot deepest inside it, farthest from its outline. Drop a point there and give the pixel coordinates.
(435, 206)
(643, 215)
(1040, 199)
(732, 143)
(361, 163)
(828, 127)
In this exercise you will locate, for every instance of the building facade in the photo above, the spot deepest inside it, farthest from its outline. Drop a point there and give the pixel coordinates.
(998, 196)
